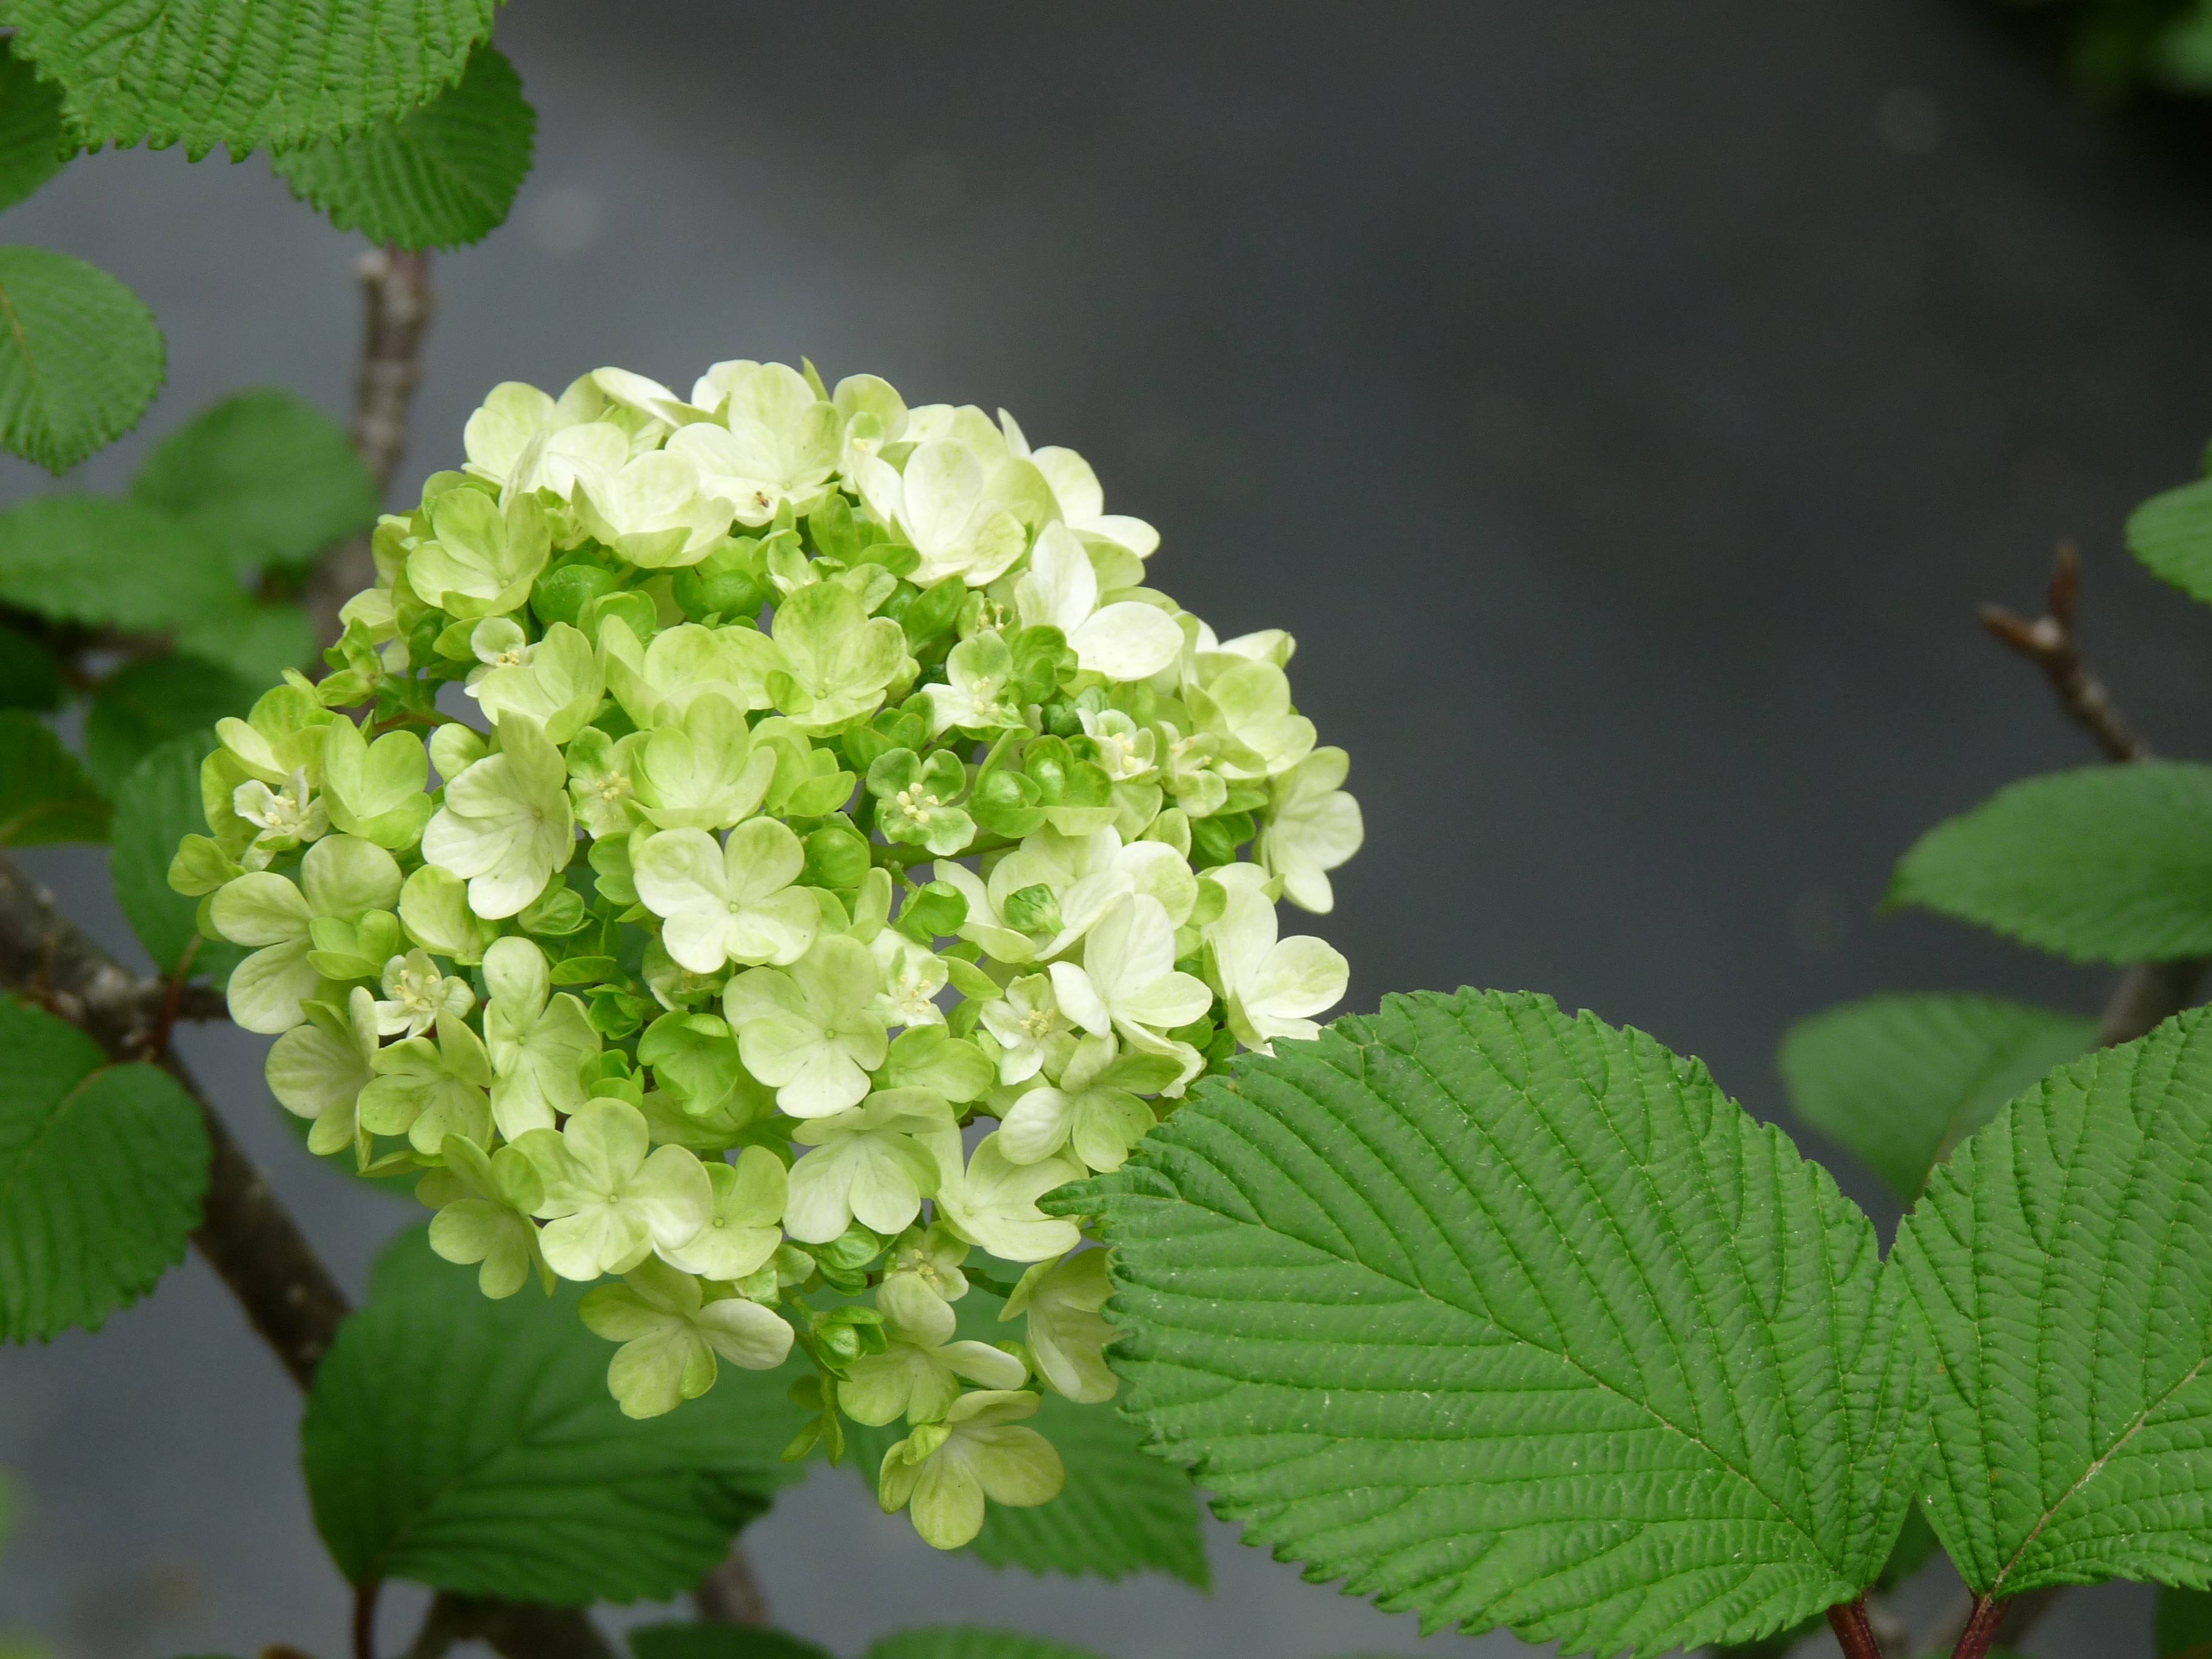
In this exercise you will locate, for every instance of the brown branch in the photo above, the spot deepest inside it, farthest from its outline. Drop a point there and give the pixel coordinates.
(730, 1594)
(1981, 1631)
(509, 1628)
(1848, 1621)
(2048, 641)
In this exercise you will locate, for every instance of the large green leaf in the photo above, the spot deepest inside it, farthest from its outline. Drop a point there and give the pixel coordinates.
(2184, 1625)
(255, 640)
(157, 806)
(44, 795)
(2172, 535)
(472, 1445)
(2106, 864)
(102, 1168)
(971, 1642)
(1901, 1079)
(147, 702)
(244, 73)
(31, 147)
(92, 559)
(1513, 1319)
(79, 357)
(441, 176)
(2059, 1297)
(266, 473)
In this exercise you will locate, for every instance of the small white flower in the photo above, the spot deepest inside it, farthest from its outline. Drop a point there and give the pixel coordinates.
(1270, 985)
(945, 1470)
(416, 993)
(732, 903)
(919, 1376)
(1066, 1337)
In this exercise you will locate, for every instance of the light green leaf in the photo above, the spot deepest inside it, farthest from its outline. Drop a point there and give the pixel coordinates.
(2184, 1625)
(266, 473)
(2105, 864)
(256, 641)
(1902, 1079)
(79, 357)
(720, 1642)
(971, 1642)
(101, 1171)
(2059, 1300)
(244, 73)
(2170, 535)
(472, 1445)
(157, 805)
(91, 559)
(44, 795)
(441, 176)
(31, 147)
(1513, 1319)
(147, 702)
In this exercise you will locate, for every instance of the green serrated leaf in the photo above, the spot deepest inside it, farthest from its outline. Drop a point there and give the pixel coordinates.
(266, 473)
(441, 176)
(258, 642)
(2105, 864)
(720, 1642)
(1512, 1319)
(2183, 1626)
(1902, 1079)
(145, 703)
(102, 1171)
(157, 805)
(2171, 535)
(32, 146)
(971, 1642)
(472, 1445)
(91, 559)
(2059, 1300)
(44, 795)
(79, 358)
(244, 73)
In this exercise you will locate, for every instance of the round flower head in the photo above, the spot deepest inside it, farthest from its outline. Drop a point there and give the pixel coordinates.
(843, 844)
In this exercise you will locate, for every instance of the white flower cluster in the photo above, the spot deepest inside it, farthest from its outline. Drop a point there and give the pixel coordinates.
(839, 782)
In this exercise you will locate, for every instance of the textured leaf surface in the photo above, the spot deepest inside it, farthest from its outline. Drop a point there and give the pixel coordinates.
(44, 795)
(472, 1445)
(263, 473)
(971, 1642)
(244, 73)
(2106, 864)
(91, 559)
(1513, 1319)
(102, 1171)
(2060, 1303)
(79, 357)
(32, 147)
(146, 704)
(720, 1642)
(157, 805)
(441, 176)
(2172, 535)
(1902, 1079)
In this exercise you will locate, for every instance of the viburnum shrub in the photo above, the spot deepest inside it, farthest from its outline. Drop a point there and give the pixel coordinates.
(770, 872)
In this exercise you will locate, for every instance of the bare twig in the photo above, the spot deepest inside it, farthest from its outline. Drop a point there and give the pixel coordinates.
(364, 1618)
(730, 1594)
(1848, 1621)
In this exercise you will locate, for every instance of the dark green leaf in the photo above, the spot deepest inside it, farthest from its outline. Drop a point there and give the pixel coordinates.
(1902, 1079)
(157, 806)
(2172, 535)
(244, 73)
(102, 1171)
(148, 702)
(30, 675)
(2059, 1300)
(31, 147)
(266, 474)
(472, 1445)
(258, 642)
(2106, 864)
(970, 1642)
(79, 357)
(91, 559)
(441, 176)
(2184, 1627)
(1513, 1319)
(718, 1642)
(44, 795)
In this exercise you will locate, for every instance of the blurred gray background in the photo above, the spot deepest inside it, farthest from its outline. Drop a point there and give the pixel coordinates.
(1624, 404)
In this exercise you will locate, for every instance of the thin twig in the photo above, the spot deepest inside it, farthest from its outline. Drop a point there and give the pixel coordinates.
(730, 1594)
(1981, 1631)
(1848, 1621)
(364, 1617)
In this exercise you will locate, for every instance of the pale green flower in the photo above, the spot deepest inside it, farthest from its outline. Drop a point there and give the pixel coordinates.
(1127, 751)
(979, 693)
(648, 397)
(777, 443)
(611, 1198)
(744, 1231)
(913, 801)
(282, 817)
(656, 684)
(917, 1377)
(732, 903)
(1269, 985)
(512, 414)
(317, 1070)
(1311, 826)
(812, 1033)
(838, 662)
(701, 771)
(484, 557)
(940, 507)
(912, 976)
(1094, 1111)
(454, 748)
(415, 992)
(932, 1254)
(539, 1043)
(343, 877)
(872, 413)
(376, 790)
(506, 827)
(426, 1090)
(282, 735)
(433, 907)
(484, 1205)
(992, 1202)
(1245, 705)
(1127, 983)
(1066, 1337)
(1127, 641)
(870, 1165)
(1032, 1034)
(652, 511)
(1082, 504)
(670, 1336)
(943, 1472)
(561, 462)
(600, 782)
(556, 682)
